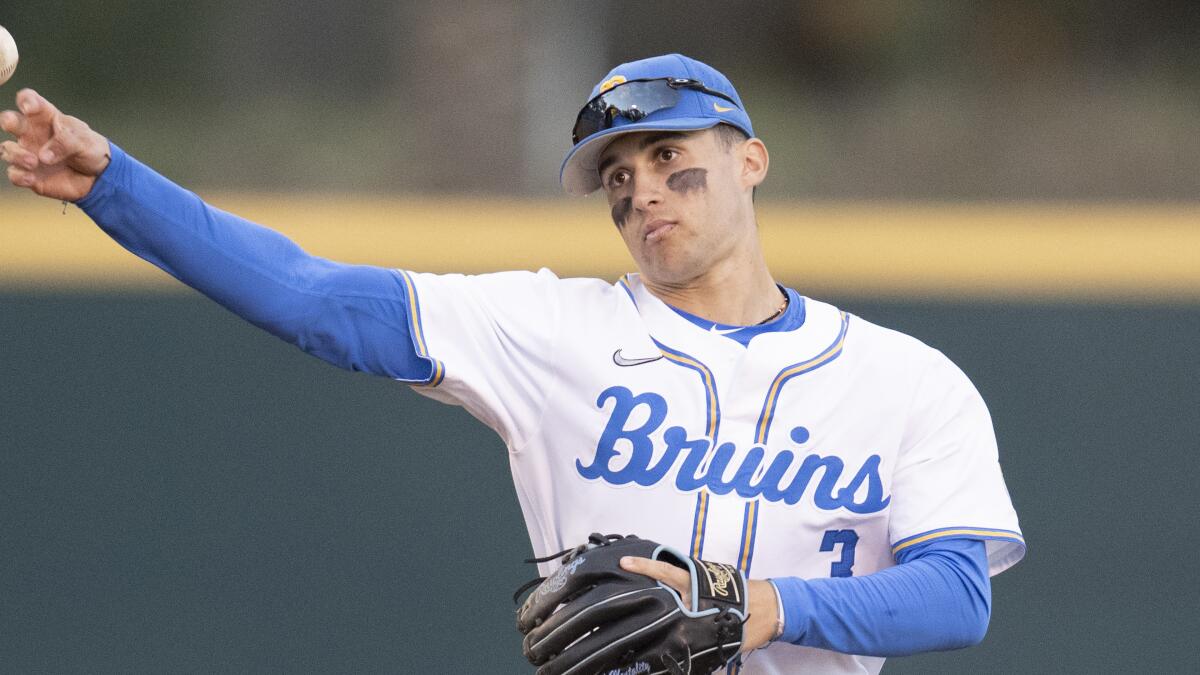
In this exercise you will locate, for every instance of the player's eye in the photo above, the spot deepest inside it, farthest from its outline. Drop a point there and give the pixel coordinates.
(667, 154)
(618, 178)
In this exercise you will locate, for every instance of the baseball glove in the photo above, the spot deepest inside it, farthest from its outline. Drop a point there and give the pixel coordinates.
(592, 617)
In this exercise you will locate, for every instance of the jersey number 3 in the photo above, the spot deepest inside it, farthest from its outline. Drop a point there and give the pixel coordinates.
(848, 539)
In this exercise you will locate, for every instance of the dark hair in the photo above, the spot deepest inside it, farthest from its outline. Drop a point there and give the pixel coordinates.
(730, 135)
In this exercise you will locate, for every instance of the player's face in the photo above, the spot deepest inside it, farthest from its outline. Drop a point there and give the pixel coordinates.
(681, 201)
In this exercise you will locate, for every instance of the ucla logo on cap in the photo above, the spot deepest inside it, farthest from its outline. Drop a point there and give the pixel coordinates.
(611, 82)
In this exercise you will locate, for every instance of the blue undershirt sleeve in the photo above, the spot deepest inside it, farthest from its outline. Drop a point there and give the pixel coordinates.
(938, 598)
(353, 316)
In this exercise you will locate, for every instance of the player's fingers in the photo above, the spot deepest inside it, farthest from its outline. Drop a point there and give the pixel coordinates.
(13, 122)
(65, 141)
(50, 152)
(665, 572)
(20, 177)
(33, 104)
(12, 153)
(55, 150)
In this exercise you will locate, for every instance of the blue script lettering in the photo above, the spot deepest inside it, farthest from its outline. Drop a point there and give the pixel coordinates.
(697, 465)
(641, 447)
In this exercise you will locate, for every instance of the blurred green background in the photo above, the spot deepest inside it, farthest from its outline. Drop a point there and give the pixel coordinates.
(1016, 99)
(182, 493)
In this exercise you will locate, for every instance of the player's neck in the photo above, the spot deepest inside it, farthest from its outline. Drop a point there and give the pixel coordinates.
(737, 291)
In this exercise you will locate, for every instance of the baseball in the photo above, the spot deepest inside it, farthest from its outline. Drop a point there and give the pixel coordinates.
(8, 55)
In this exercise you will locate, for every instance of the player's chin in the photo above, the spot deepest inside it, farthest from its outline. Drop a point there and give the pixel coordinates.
(671, 268)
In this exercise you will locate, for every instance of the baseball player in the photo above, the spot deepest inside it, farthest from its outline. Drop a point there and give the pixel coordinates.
(848, 471)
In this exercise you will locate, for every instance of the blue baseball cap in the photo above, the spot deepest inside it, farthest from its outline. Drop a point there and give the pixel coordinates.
(695, 109)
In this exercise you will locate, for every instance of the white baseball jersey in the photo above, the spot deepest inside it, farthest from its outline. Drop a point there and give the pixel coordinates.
(818, 451)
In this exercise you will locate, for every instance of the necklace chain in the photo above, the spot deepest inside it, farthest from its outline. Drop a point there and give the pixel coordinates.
(782, 306)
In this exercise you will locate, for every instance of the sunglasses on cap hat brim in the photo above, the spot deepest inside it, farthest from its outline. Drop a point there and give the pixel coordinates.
(634, 100)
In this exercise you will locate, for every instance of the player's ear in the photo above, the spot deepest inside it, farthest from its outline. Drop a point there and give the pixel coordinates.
(754, 160)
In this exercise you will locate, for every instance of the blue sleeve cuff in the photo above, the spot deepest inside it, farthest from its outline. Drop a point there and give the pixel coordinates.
(105, 182)
(796, 607)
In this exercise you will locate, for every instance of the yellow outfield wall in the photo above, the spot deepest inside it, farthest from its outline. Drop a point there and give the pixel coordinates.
(1014, 251)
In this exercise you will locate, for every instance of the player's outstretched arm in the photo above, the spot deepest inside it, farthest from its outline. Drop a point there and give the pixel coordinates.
(353, 316)
(54, 155)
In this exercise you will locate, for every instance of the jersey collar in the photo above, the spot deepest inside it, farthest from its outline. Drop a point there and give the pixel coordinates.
(807, 324)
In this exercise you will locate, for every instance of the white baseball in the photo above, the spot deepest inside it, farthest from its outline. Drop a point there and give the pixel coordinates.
(8, 55)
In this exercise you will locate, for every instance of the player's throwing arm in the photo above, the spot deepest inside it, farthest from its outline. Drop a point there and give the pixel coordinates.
(352, 316)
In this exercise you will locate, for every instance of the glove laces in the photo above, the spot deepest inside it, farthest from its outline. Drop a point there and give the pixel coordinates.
(567, 554)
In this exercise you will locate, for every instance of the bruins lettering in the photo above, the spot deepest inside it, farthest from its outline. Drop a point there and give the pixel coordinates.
(693, 465)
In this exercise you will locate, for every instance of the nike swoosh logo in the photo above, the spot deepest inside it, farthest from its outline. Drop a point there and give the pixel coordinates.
(725, 331)
(720, 109)
(622, 361)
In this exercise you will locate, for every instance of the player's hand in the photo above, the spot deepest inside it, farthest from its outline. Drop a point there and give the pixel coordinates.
(55, 155)
(763, 609)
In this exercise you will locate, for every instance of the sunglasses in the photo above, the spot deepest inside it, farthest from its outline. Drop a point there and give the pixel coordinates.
(634, 100)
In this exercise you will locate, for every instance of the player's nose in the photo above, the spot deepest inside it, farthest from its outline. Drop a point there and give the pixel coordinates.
(647, 193)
